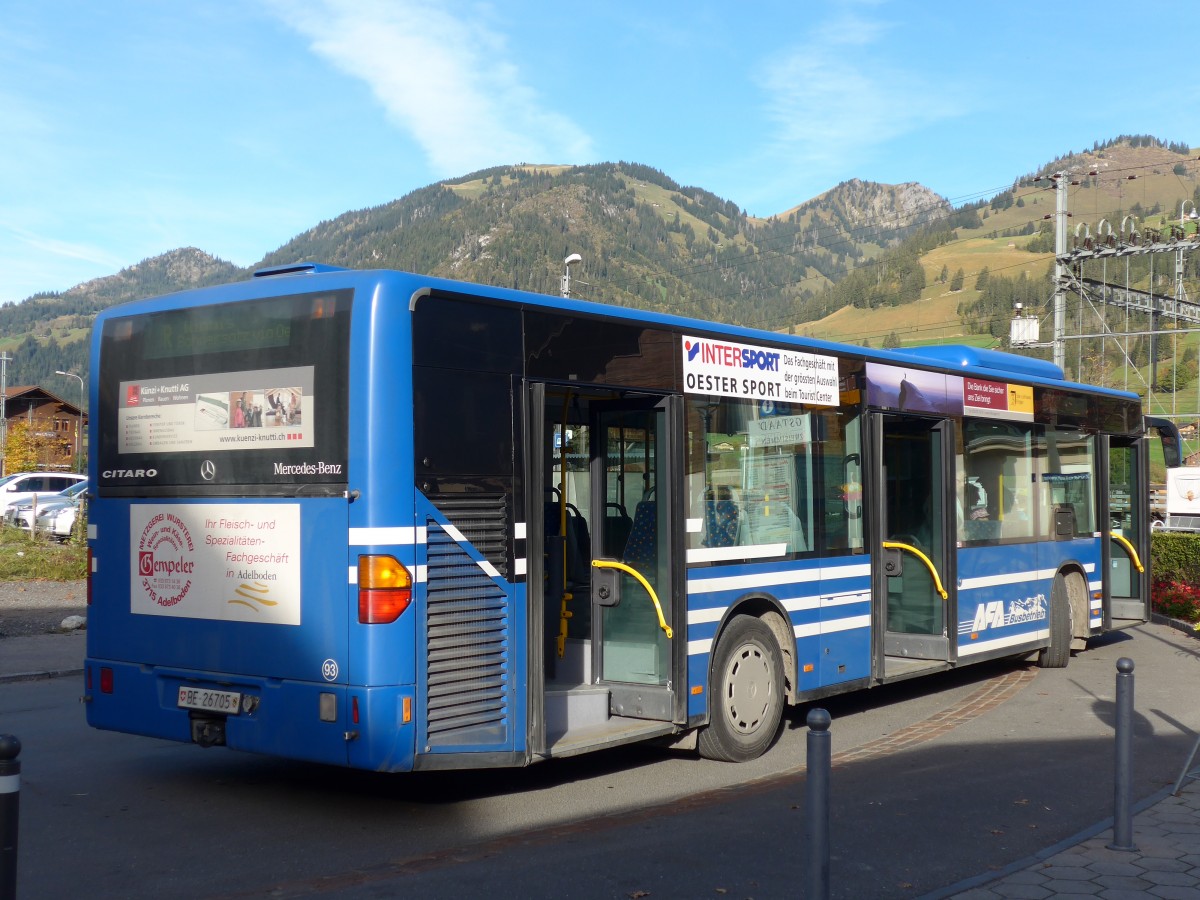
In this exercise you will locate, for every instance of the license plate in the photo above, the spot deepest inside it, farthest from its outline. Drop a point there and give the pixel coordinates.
(228, 703)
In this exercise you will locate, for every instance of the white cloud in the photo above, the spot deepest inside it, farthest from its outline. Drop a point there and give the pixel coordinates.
(444, 78)
(52, 248)
(838, 97)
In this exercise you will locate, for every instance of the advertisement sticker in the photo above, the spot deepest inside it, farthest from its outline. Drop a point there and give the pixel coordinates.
(728, 369)
(261, 408)
(235, 562)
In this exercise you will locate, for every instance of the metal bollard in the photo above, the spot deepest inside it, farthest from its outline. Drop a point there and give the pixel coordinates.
(1123, 786)
(816, 803)
(10, 800)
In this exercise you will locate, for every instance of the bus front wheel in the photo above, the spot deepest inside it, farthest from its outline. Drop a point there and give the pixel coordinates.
(745, 695)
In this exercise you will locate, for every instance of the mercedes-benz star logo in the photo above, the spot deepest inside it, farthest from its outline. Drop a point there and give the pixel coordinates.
(208, 470)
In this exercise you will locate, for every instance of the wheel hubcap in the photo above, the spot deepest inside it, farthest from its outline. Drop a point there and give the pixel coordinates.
(748, 688)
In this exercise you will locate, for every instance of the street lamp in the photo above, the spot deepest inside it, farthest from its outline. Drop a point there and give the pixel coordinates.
(566, 279)
(79, 420)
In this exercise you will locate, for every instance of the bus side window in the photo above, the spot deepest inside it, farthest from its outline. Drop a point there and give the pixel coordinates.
(774, 477)
(995, 477)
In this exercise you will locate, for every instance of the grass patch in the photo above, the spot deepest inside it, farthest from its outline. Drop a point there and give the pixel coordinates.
(26, 558)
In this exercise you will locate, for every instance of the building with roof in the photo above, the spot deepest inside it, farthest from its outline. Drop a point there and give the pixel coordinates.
(59, 425)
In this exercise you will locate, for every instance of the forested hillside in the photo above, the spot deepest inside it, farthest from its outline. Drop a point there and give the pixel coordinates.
(646, 241)
(50, 332)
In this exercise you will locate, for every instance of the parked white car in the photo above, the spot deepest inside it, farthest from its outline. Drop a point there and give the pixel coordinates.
(59, 521)
(15, 489)
(21, 515)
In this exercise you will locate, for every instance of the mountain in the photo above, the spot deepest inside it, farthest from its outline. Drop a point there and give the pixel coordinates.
(646, 241)
(49, 332)
(649, 242)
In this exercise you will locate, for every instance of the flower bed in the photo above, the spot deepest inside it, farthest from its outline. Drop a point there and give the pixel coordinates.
(1176, 600)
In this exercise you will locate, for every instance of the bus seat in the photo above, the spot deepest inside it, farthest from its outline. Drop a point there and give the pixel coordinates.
(617, 526)
(642, 545)
(722, 516)
(578, 541)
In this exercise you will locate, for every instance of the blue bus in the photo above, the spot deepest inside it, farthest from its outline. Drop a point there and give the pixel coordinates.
(393, 522)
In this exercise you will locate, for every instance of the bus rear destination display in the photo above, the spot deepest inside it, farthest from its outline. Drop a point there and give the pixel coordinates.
(219, 411)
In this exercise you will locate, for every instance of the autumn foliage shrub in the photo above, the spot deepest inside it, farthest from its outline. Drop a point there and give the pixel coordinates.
(1176, 601)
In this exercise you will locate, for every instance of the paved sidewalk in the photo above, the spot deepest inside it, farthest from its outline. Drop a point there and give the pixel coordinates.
(42, 656)
(1165, 863)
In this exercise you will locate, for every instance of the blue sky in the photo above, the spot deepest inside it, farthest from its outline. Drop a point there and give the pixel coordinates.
(133, 127)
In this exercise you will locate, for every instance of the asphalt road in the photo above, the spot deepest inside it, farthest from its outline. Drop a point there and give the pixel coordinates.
(934, 781)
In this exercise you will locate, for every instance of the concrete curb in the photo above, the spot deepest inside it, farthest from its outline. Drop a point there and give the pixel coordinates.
(1185, 627)
(40, 676)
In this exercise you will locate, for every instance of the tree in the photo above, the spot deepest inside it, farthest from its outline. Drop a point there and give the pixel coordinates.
(891, 341)
(981, 279)
(956, 283)
(944, 274)
(20, 449)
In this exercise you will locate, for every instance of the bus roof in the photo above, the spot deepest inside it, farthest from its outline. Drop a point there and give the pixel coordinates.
(955, 358)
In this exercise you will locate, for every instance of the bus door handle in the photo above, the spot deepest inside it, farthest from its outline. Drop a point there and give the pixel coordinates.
(1133, 554)
(896, 545)
(893, 562)
(606, 586)
(614, 595)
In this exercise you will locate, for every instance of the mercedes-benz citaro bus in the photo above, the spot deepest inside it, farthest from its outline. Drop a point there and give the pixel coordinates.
(394, 522)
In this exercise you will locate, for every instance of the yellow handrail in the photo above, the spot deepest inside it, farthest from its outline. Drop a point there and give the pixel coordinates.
(937, 582)
(1120, 539)
(613, 564)
(565, 611)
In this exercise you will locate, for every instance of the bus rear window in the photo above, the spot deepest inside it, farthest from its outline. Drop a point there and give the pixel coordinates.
(242, 398)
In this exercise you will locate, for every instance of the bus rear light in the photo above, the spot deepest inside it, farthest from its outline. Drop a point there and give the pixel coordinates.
(106, 680)
(406, 710)
(384, 589)
(354, 710)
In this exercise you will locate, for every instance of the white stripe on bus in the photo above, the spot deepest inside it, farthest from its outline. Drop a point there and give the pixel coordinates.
(969, 648)
(767, 579)
(971, 584)
(705, 645)
(796, 604)
(750, 551)
(389, 535)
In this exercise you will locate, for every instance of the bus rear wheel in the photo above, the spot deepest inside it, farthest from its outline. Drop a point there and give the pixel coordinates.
(745, 693)
(1062, 627)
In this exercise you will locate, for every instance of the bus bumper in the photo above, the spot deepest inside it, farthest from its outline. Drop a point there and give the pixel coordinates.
(326, 723)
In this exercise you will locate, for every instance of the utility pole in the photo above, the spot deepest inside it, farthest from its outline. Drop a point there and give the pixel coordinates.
(5, 359)
(1061, 181)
